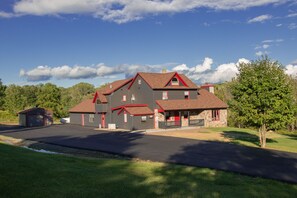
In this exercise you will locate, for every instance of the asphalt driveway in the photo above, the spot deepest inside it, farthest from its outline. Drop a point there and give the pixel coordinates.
(223, 156)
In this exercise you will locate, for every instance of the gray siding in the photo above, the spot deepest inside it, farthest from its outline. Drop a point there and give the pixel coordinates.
(143, 93)
(97, 120)
(115, 100)
(75, 118)
(133, 122)
(175, 94)
(101, 107)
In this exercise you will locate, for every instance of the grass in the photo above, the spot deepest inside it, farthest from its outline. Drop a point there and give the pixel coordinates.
(249, 137)
(25, 173)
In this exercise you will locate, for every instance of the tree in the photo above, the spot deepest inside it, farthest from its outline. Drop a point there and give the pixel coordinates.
(263, 96)
(73, 95)
(30, 92)
(15, 100)
(223, 91)
(2, 95)
(49, 97)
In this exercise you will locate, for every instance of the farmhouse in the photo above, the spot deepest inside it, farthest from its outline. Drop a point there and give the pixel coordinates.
(151, 100)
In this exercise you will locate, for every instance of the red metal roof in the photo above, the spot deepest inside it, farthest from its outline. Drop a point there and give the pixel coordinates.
(86, 106)
(205, 100)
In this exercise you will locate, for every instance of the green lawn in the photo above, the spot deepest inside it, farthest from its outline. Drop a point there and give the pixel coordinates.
(248, 137)
(24, 173)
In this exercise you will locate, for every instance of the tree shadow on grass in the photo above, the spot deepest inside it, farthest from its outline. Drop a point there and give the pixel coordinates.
(236, 137)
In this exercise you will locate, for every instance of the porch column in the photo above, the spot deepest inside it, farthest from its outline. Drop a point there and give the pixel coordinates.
(188, 118)
(180, 119)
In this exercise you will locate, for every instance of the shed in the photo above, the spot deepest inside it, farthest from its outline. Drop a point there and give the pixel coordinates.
(35, 117)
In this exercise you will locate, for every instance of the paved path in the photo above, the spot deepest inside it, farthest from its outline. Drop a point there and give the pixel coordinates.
(223, 156)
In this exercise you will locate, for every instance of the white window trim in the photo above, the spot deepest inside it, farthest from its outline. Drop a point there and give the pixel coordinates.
(125, 117)
(91, 118)
(165, 95)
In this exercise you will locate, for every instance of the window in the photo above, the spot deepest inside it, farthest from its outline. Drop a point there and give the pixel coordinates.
(215, 114)
(125, 117)
(143, 118)
(164, 95)
(98, 101)
(139, 81)
(124, 98)
(174, 81)
(187, 95)
(132, 97)
(91, 118)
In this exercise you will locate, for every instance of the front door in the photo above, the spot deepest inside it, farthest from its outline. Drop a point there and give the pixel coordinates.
(176, 118)
(103, 120)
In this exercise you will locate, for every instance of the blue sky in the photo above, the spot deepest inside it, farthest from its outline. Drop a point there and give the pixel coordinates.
(71, 41)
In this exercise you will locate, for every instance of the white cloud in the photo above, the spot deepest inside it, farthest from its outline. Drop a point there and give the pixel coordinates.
(181, 68)
(260, 19)
(292, 15)
(261, 53)
(206, 65)
(44, 73)
(291, 69)
(7, 15)
(265, 46)
(292, 26)
(224, 72)
(122, 11)
(279, 25)
(261, 49)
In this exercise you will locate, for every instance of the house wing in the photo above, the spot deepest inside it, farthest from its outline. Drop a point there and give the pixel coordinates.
(205, 100)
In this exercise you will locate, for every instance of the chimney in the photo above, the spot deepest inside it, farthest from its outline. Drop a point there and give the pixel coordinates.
(164, 70)
(208, 87)
(110, 86)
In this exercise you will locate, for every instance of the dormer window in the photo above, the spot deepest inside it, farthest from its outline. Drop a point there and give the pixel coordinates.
(174, 81)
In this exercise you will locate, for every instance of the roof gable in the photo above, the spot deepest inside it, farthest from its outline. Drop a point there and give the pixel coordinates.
(162, 80)
(109, 88)
(100, 96)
